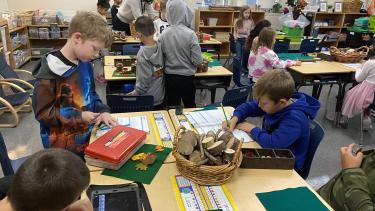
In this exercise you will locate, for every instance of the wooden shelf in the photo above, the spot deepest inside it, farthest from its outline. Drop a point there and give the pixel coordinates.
(48, 39)
(24, 62)
(16, 29)
(47, 26)
(328, 27)
(17, 47)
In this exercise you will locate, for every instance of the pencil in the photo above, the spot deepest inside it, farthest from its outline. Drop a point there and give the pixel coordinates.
(225, 115)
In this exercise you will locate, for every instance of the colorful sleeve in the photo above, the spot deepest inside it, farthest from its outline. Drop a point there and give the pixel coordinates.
(248, 109)
(46, 106)
(274, 61)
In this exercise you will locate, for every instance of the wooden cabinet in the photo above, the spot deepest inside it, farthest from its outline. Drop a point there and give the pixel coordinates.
(211, 21)
(334, 22)
(5, 41)
(19, 46)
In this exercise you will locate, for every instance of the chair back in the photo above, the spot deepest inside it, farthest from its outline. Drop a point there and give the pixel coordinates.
(322, 43)
(316, 136)
(8, 165)
(237, 70)
(315, 32)
(281, 46)
(232, 44)
(236, 97)
(120, 103)
(131, 49)
(5, 70)
(309, 45)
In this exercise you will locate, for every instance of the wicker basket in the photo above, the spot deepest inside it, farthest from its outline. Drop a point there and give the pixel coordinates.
(351, 6)
(25, 18)
(349, 57)
(205, 175)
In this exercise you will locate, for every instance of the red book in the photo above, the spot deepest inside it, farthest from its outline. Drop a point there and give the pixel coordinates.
(115, 145)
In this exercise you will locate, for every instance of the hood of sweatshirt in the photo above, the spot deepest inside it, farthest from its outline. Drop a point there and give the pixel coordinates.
(178, 13)
(302, 102)
(52, 67)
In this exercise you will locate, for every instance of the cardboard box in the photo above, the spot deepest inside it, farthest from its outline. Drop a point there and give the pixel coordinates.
(267, 159)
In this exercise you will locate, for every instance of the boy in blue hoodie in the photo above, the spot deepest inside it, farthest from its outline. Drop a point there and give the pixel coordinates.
(286, 115)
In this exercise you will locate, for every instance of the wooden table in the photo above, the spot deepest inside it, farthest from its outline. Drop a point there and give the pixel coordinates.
(152, 136)
(322, 73)
(243, 186)
(229, 113)
(110, 60)
(215, 77)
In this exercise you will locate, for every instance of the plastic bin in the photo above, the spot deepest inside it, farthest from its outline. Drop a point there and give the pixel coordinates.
(293, 32)
(40, 51)
(44, 20)
(65, 33)
(33, 33)
(212, 21)
(43, 33)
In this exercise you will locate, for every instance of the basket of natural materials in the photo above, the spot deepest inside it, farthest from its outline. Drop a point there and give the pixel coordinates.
(348, 55)
(206, 159)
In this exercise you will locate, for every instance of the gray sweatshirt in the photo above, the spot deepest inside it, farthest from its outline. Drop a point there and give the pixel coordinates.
(148, 81)
(179, 44)
(130, 10)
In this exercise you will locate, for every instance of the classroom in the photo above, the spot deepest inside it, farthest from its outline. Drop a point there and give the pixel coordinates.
(191, 105)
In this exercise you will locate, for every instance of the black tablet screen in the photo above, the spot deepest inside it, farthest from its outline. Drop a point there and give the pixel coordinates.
(115, 201)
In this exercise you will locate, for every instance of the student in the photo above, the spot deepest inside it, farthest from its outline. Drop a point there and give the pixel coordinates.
(114, 8)
(252, 39)
(286, 115)
(354, 187)
(102, 8)
(360, 97)
(264, 58)
(182, 54)
(149, 64)
(129, 11)
(51, 179)
(64, 100)
(161, 23)
(242, 28)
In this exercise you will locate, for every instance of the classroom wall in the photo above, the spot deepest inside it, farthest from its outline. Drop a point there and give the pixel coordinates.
(52, 4)
(3, 5)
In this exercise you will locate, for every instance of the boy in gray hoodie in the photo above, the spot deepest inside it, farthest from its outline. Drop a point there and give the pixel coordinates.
(182, 54)
(149, 64)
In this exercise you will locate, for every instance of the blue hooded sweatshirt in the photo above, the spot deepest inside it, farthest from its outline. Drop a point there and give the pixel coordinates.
(286, 129)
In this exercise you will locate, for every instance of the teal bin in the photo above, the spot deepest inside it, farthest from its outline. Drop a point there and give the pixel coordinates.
(293, 31)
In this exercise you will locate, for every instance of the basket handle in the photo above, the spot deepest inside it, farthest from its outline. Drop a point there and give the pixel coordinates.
(236, 154)
(176, 134)
(366, 49)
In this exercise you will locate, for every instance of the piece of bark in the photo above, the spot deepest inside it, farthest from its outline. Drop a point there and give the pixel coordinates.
(201, 146)
(226, 136)
(211, 157)
(195, 156)
(207, 142)
(211, 134)
(228, 155)
(217, 148)
(187, 142)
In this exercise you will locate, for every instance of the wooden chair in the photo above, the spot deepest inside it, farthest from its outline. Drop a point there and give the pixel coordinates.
(15, 102)
(10, 75)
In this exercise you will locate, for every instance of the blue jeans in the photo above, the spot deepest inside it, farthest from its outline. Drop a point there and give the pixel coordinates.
(240, 44)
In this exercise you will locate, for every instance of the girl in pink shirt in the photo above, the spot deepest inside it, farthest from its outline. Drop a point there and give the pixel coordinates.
(242, 28)
(264, 58)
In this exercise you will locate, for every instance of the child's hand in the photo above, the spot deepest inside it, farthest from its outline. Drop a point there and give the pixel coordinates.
(132, 93)
(297, 63)
(107, 119)
(348, 160)
(232, 124)
(89, 117)
(81, 205)
(245, 126)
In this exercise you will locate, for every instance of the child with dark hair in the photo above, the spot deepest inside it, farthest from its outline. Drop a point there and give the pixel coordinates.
(252, 39)
(51, 179)
(149, 73)
(102, 7)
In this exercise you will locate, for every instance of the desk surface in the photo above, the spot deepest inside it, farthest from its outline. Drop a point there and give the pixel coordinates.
(110, 60)
(242, 186)
(212, 41)
(212, 72)
(228, 111)
(322, 67)
(151, 136)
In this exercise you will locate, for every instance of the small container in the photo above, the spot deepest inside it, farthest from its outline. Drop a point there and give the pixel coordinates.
(33, 32)
(267, 159)
(43, 33)
(212, 21)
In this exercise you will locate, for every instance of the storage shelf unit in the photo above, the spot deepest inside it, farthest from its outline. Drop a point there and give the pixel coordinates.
(339, 21)
(225, 23)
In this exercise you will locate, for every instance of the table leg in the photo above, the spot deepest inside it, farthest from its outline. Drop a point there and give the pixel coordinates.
(217, 47)
(213, 94)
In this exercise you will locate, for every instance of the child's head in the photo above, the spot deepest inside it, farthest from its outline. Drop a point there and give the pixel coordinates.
(274, 90)
(102, 7)
(117, 2)
(50, 179)
(163, 8)
(255, 32)
(266, 38)
(88, 34)
(245, 14)
(144, 27)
